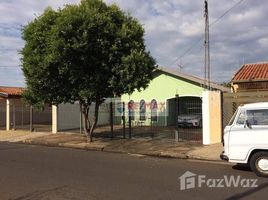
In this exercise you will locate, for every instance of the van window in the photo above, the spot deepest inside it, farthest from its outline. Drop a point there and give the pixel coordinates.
(241, 119)
(258, 117)
(232, 119)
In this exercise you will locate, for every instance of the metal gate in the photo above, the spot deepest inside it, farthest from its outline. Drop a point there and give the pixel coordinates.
(189, 120)
(25, 117)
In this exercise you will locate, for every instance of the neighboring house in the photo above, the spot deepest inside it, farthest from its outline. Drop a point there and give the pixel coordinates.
(8, 96)
(158, 100)
(10, 92)
(251, 78)
(14, 114)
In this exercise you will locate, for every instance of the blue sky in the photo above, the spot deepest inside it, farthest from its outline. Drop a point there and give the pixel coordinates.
(171, 26)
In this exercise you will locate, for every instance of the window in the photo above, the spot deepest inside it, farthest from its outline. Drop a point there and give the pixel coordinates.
(154, 110)
(258, 117)
(232, 119)
(142, 110)
(241, 119)
(131, 109)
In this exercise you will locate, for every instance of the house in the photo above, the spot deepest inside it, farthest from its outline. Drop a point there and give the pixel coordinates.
(169, 94)
(158, 100)
(251, 78)
(10, 92)
(15, 114)
(9, 96)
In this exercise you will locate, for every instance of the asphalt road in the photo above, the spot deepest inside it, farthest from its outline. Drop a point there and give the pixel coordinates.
(43, 173)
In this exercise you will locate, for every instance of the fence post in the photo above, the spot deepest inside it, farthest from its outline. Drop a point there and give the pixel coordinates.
(55, 118)
(81, 122)
(152, 133)
(14, 117)
(129, 125)
(129, 121)
(124, 121)
(151, 122)
(176, 117)
(7, 114)
(22, 117)
(222, 120)
(31, 118)
(111, 119)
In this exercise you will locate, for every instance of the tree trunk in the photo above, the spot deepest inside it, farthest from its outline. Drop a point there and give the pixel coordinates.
(89, 127)
(85, 111)
(95, 120)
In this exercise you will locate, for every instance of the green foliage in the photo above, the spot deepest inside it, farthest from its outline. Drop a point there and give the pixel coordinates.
(226, 84)
(84, 53)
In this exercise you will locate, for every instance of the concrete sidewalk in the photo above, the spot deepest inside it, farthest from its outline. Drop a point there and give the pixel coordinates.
(143, 146)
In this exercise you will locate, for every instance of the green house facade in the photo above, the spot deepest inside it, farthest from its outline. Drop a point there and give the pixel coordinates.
(158, 100)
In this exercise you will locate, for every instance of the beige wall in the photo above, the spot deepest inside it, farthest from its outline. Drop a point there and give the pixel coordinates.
(215, 117)
(212, 117)
(250, 86)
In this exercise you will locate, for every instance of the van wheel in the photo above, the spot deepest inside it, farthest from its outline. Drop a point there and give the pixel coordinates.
(259, 163)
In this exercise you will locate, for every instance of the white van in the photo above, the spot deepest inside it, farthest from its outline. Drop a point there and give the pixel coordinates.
(246, 137)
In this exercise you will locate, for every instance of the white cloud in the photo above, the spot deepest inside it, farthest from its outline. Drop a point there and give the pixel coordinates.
(191, 29)
(172, 27)
(23, 11)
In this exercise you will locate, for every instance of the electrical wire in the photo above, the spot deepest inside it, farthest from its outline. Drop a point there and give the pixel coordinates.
(200, 38)
(191, 47)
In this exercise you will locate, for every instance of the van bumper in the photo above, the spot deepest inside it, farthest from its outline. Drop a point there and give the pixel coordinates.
(223, 156)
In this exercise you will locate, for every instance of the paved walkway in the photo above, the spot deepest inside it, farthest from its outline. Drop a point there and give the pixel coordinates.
(141, 146)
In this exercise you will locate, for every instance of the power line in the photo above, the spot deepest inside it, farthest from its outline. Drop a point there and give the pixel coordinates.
(201, 37)
(189, 49)
(225, 13)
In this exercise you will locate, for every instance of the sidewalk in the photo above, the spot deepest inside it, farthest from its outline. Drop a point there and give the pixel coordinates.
(143, 146)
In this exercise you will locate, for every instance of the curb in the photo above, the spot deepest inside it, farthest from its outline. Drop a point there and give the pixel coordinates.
(102, 148)
(65, 145)
(207, 159)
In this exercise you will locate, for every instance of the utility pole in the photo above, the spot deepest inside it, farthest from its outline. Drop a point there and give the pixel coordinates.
(206, 44)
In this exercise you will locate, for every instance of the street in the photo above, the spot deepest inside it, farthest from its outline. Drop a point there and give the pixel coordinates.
(44, 173)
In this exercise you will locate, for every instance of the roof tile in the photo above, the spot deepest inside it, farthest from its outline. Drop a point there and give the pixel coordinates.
(252, 72)
(11, 91)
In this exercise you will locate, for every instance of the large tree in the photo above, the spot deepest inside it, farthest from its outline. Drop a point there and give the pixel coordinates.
(85, 53)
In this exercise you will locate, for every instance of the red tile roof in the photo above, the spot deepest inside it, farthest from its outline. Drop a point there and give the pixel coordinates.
(252, 72)
(11, 91)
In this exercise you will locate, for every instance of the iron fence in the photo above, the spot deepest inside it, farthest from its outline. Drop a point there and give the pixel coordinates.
(2, 114)
(24, 117)
(159, 119)
(177, 118)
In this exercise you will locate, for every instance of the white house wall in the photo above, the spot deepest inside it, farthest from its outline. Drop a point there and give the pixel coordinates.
(68, 116)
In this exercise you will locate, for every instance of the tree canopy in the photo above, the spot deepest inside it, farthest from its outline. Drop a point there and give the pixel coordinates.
(86, 53)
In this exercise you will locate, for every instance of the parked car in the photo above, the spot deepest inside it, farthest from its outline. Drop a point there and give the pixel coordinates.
(190, 120)
(246, 137)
